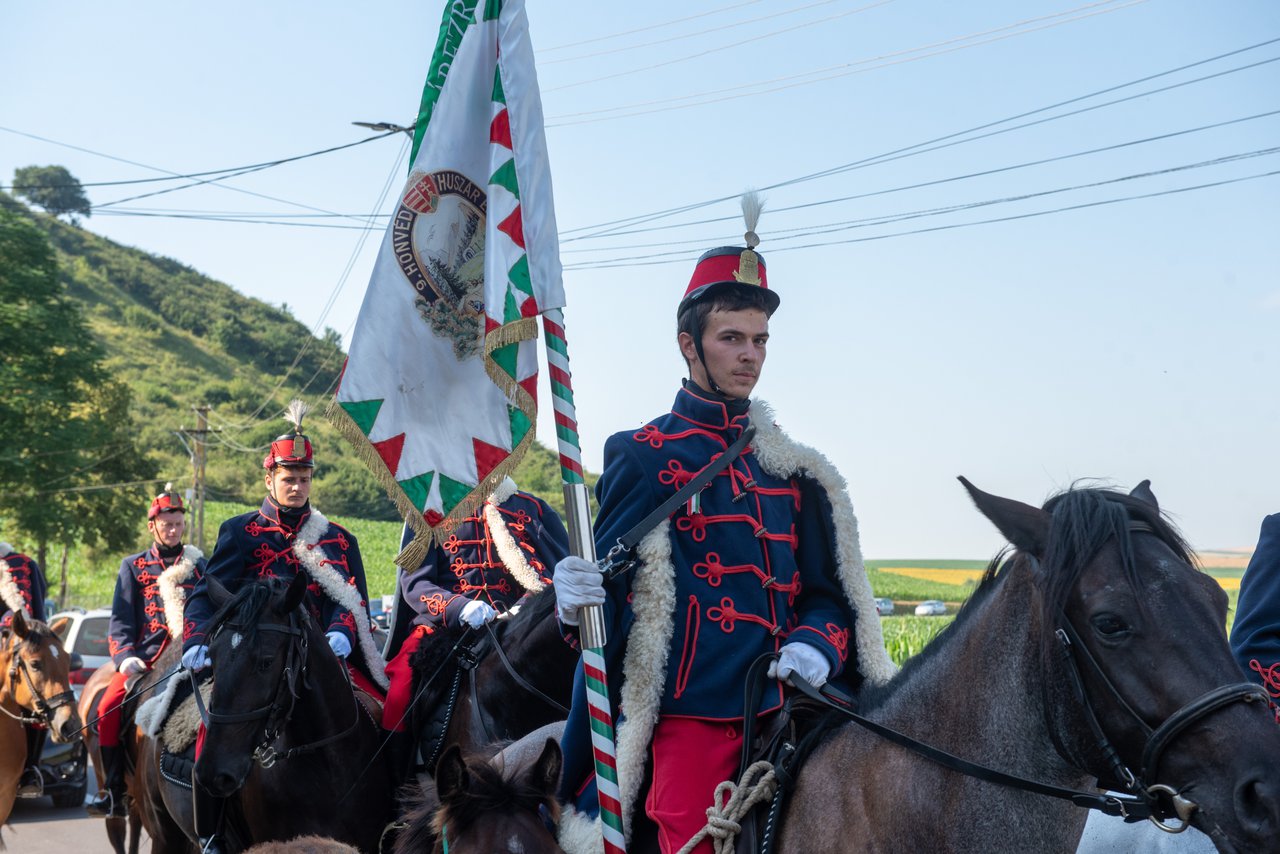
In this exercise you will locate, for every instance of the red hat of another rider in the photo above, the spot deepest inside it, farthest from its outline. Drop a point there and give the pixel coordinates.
(164, 502)
(727, 267)
(291, 449)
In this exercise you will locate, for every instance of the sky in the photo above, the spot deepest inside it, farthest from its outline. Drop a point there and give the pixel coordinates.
(1029, 242)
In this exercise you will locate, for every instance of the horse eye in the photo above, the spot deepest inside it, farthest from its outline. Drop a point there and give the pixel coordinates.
(1109, 625)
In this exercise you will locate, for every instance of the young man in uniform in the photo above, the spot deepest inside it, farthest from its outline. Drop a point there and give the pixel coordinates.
(763, 560)
(484, 566)
(23, 588)
(284, 537)
(146, 615)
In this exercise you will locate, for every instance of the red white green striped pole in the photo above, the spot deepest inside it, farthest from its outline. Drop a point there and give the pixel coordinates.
(591, 628)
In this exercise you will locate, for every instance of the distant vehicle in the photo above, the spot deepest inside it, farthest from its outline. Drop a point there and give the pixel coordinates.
(931, 608)
(884, 606)
(84, 633)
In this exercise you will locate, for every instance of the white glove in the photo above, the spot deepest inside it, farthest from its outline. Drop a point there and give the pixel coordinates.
(804, 661)
(197, 658)
(476, 613)
(577, 583)
(339, 644)
(132, 665)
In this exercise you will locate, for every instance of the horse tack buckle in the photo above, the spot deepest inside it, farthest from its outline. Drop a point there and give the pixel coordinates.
(266, 756)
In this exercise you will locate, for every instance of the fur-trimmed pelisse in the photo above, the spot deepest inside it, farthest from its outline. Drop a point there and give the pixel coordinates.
(504, 542)
(645, 664)
(9, 592)
(171, 592)
(306, 548)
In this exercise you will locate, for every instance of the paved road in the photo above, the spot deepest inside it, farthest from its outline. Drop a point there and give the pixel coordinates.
(38, 827)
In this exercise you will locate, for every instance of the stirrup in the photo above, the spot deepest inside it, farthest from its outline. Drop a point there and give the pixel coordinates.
(31, 784)
(107, 804)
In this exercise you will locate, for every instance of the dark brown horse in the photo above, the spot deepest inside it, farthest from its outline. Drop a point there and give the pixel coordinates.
(124, 834)
(36, 689)
(1097, 616)
(476, 807)
(287, 740)
(461, 674)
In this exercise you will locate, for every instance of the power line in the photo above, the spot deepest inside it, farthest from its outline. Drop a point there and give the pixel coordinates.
(906, 150)
(239, 170)
(650, 27)
(647, 263)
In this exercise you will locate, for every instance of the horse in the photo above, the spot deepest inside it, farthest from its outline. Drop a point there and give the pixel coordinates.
(475, 807)
(496, 684)
(287, 740)
(124, 834)
(1092, 653)
(37, 690)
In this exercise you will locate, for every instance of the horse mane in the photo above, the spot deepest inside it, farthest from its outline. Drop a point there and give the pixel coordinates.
(488, 790)
(535, 608)
(1083, 520)
(246, 605)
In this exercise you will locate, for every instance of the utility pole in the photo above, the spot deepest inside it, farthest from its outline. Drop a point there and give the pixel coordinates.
(198, 457)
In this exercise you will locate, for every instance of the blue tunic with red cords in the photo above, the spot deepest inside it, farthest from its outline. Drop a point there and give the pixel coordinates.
(259, 545)
(752, 564)
(139, 628)
(31, 586)
(470, 562)
(1255, 635)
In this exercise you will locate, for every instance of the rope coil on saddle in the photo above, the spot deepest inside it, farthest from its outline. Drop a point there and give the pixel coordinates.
(724, 816)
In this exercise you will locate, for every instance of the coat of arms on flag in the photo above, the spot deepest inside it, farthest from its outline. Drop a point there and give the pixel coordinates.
(440, 386)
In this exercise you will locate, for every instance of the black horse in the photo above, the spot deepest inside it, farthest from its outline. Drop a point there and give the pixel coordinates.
(494, 684)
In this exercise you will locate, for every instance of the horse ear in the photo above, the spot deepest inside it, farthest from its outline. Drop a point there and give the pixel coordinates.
(545, 773)
(218, 594)
(1025, 526)
(19, 623)
(1143, 492)
(452, 777)
(293, 596)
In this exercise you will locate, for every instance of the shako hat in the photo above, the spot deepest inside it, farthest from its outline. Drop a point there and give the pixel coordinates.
(728, 267)
(166, 501)
(291, 449)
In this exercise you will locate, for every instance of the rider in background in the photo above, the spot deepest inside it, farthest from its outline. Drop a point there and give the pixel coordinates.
(146, 613)
(484, 565)
(1255, 635)
(23, 588)
(763, 560)
(284, 537)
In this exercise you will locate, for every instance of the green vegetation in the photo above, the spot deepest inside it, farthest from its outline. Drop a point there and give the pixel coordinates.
(52, 188)
(906, 636)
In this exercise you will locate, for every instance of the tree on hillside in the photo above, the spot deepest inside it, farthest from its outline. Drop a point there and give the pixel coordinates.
(69, 465)
(52, 188)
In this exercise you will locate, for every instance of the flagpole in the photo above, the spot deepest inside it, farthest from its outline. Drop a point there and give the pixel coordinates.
(591, 627)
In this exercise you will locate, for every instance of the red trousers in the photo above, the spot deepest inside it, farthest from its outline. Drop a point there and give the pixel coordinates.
(395, 714)
(690, 758)
(109, 711)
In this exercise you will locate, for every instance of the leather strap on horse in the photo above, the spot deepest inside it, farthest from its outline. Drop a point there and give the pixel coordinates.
(620, 557)
(520, 680)
(1129, 807)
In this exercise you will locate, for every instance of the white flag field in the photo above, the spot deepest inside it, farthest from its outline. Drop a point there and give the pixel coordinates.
(439, 393)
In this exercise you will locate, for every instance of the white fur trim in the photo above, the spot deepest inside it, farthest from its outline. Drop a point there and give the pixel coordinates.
(580, 834)
(782, 456)
(9, 592)
(509, 551)
(337, 589)
(5, 549)
(171, 592)
(152, 713)
(504, 490)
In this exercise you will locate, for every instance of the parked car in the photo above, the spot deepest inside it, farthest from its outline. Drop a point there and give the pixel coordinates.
(884, 606)
(931, 608)
(84, 633)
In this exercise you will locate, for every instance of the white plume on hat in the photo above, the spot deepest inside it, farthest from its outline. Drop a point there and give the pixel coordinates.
(5, 549)
(295, 412)
(752, 207)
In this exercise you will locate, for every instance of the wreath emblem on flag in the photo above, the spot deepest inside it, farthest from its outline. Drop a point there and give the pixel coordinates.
(437, 237)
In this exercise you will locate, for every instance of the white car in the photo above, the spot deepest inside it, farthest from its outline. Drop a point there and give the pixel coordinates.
(931, 608)
(884, 606)
(84, 633)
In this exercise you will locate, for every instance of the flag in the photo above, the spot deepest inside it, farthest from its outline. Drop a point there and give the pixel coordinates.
(439, 392)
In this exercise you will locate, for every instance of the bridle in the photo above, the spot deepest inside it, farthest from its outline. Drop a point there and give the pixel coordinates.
(1162, 802)
(45, 708)
(279, 710)
(1157, 802)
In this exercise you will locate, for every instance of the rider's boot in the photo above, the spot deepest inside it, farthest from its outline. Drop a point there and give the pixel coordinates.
(31, 784)
(109, 802)
(208, 813)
